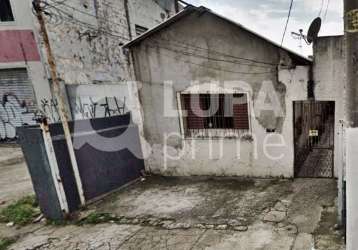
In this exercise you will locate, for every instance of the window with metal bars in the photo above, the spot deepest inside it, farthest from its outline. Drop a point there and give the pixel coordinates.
(215, 115)
(6, 14)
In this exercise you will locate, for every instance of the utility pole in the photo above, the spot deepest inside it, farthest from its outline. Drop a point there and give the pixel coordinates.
(60, 98)
(351, 36)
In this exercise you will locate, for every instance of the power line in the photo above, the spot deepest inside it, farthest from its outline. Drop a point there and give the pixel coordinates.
(192, 46)
(210, 58)
(90, 15)
(94, 16)
(114, 10)
(71, 19)
(288, 19)
(321, 9)
(87, 25)
(325, 14)
(63, 3)
(218, 69)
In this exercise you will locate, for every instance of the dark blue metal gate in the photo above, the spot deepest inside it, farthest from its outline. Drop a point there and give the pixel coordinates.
(108, 154)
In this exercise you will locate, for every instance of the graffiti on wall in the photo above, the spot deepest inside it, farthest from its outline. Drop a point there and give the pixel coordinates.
(85, 107)
(14, 113)
(90, 107)
(49, 109)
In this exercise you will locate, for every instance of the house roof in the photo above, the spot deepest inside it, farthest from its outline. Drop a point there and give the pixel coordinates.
(191, 9)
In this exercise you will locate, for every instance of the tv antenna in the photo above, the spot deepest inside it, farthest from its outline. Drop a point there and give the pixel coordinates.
(312, 33)
(299, 36)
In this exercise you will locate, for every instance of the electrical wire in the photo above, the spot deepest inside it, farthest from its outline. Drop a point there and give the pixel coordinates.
(90, 15)
(87, 25)
(216, 68)
(97, 17)
(192, 46)
(90, 27)
(321, 9)
(287, 21)
(325, 13)
(253, 62)
(210, 58)
(179, 43)
(115, 10)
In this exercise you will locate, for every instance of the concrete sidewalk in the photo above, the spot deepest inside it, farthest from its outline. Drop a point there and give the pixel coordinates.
(184, 213)
(10, 155)
(15, 181)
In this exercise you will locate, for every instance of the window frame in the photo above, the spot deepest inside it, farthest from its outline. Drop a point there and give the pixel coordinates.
(9, 23)
(238, 133)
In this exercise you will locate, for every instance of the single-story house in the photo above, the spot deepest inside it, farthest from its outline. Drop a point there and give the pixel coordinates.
(219, 99)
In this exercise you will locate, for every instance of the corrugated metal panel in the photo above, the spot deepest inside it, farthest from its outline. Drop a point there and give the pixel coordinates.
(16, 83)
(17, 101)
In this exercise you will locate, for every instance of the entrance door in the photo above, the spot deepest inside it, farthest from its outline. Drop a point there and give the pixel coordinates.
(314, 139)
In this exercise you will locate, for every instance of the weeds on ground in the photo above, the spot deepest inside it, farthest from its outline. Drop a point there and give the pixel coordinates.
(21, 212)
(6, 242)
(97, 218)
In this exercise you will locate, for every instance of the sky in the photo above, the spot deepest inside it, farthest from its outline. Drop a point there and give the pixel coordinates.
(268, 17)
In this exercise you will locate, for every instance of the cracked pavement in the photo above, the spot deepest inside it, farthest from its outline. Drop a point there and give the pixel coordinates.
(205, 213)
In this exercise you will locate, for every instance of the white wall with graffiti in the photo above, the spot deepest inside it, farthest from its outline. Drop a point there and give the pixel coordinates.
(21, 90)
(13, 113)
(85, 102)
(97, 101)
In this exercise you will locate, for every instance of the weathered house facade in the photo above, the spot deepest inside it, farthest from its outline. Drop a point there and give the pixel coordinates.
(198, 60)
(330, 81)
(86, 39)
(330, 84)
(86, 36)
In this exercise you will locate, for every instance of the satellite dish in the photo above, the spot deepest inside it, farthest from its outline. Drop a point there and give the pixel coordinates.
(314, 30)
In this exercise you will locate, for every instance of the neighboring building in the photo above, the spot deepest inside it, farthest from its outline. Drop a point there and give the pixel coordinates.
(213, 61)
(86, 38)
(330, 81)
(23, 82)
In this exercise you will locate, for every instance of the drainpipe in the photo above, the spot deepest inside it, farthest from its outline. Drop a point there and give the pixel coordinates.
(310, 84)
(128, 19)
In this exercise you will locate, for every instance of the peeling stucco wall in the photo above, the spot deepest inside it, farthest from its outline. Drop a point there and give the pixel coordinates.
(86, 37)
(168, 56)
(330, 82)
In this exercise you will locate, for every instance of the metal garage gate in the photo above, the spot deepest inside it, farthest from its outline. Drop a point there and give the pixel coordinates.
(17, 102)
